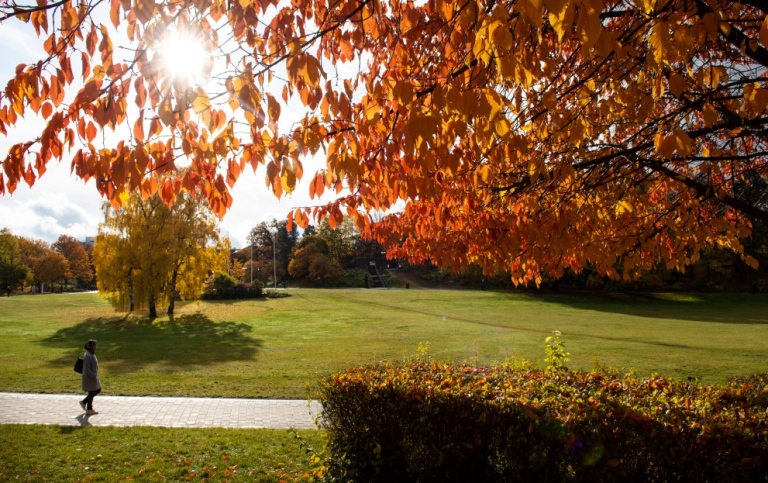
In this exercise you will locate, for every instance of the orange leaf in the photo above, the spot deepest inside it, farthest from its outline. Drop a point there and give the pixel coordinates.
(47, 110)
(29, 175)
(138, 128)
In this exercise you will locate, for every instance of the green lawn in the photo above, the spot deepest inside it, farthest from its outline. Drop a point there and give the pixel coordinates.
(279, 347)
(67, 454)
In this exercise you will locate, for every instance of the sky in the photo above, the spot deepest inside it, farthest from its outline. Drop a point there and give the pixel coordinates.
(60, 203)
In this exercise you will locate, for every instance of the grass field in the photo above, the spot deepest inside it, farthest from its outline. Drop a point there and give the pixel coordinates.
(52, 454)
(279, 347)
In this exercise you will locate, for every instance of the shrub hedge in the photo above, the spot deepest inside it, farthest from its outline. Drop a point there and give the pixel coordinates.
(238, 291)
(430, 422)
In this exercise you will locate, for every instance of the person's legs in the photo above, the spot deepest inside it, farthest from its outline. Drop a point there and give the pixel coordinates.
(88, 401)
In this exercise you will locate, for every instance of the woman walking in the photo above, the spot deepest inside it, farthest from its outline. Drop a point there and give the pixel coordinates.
(91, 382)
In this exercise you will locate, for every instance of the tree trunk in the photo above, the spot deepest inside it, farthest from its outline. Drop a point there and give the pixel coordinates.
(152, 307)
(171, 305)
(131, 300)
(172, 290)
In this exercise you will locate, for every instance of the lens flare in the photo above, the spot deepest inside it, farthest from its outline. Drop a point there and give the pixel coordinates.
(183, 58)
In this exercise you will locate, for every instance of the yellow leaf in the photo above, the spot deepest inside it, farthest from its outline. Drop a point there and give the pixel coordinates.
(764, 32)
(683, 143)
(503, 127)
(712, 76)
(577, 132)
(659, 41)
(534, 168)
(646, 6)
(588, 25)
(202, 106)
(755, 97)
(403, 93)
(372, 109)
(481, 49)
(533, 10)
(710, 114)
(560, 16)
(166, 111)
(549, 99)
(506, 65)
(678, 141)
(124, 195)
(294, 46)
(605, 44)
(495, 103)
(501, 36)
(623, 207)
(659, 89)
(677, 84)
(484, 173)
(99, 72)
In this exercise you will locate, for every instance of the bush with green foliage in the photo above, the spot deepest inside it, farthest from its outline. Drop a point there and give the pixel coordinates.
(225, 286)
(355, 277)
(429, 422)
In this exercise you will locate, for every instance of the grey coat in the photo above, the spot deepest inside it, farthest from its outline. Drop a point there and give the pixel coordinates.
(90, 372)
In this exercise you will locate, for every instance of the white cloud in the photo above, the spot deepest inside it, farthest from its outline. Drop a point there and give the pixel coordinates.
(19, 45)
(51, 209)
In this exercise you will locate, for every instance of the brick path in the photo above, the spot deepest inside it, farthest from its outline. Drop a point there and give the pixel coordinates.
(177, 412)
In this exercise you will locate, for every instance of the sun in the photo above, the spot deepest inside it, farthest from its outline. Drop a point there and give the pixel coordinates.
(184, 58)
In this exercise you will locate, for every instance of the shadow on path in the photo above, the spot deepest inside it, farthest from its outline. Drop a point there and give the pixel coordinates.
(128, 343)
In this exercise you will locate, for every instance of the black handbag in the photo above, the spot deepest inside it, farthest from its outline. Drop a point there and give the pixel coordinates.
(79, 365)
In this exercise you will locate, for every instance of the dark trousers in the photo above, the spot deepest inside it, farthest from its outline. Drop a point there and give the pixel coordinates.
(89, 399)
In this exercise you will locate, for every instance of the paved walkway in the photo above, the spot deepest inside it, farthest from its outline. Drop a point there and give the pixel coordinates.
(175, 412)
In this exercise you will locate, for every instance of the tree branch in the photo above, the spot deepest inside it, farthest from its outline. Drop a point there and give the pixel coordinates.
(738, 39)
(27, 10)
(708, 192)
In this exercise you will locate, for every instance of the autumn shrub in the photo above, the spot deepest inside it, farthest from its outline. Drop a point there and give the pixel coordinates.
(428, 422)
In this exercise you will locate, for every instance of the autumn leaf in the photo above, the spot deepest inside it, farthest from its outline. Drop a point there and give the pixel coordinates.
(677, 85)
(764, 32)
(710, 114)
(659, 40)
(510, 135)
(561, 16)
(202, 107)
(166, 112)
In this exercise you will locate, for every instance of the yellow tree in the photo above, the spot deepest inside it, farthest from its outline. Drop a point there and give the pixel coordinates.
(204, 263)
(523, 135)
(114, 261)
(147, 253)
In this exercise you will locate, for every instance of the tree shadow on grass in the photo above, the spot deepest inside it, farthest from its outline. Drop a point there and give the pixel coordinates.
(737, 309)
(129, 343)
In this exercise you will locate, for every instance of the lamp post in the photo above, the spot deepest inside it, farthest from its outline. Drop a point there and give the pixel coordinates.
(274, 258)
(251, 262)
